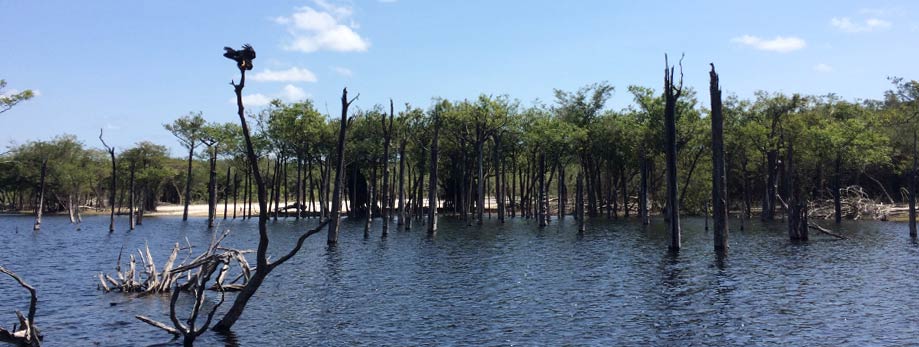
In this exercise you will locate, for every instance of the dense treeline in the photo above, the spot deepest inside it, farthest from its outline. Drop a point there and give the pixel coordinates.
(495, 156)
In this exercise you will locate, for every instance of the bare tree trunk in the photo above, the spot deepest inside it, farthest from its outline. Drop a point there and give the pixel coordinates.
(499, 197)
(111, 200)
(561, 190)
(480, 182)
(623, 185)
(235, 190)
(226, 193)
(263, 267)
(131, 208)
(719, 177)
(541, 194)
(912, 189)
(402, 144)
(432, 186)
(387, 139)
(643, 189)
(212, 188)
(191, 153)
(671, 94)
(41, 195)
(371, 201)
(339, 169)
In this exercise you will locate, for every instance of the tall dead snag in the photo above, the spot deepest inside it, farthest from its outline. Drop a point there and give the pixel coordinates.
(243, 60)
(719, 179)
(111, 196)
(339, 168)
(912, 189)
(387, 139)
(432, 183)
(402, 142)
(211, 143)
(132, 221)
(671, 94)
(25, 334)
(41, 195)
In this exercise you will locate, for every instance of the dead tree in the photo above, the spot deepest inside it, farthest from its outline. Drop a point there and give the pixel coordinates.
(671, 94)
(111, 197)
(796, 206)
(719, 178)
(41, 195)
(205, 266)
(339, 168)
(387, 139)
(432, 185)
(263, 266)
(25, 334)
(912, 189)
(132, 217)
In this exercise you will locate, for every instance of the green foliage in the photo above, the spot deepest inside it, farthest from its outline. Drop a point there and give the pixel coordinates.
(8, 100)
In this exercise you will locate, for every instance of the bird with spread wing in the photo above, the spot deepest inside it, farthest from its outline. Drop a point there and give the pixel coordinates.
(242, 57)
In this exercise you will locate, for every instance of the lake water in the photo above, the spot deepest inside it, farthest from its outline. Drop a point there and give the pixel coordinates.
(495, 285)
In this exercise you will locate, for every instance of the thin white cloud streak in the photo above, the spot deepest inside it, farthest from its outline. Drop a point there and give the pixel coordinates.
(294, 74)
(779, 44)
(846, 24)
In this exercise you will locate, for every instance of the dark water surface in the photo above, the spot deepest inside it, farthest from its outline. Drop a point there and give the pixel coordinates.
(497, 285)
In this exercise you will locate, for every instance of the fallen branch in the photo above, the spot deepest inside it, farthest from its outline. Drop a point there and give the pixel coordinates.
(826, 231)
(26, 334)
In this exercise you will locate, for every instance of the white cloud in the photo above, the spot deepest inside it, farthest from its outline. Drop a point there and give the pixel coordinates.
(294, 74)
(257, 99)
(289, 93)
(293, 93)
(869, 25)
(823, 68)
(322, 29)
(346, 72)
(778, 44)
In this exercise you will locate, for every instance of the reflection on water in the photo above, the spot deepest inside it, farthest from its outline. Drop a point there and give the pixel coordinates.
(511, 284)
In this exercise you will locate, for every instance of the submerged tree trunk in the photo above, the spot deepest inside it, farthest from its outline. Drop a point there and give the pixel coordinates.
(480, 182)
(672, 93)
(41, 196)
(912, 189)
(797, 207)
(191, 153)
(212, 188)
(387, 139)
(719, 177)
(263, 267)
(432, 186)
(402, 144)
(226, 193)
(561, 191)
(339, 169)
(111, 200)
(131, 208)
(643, 189)
(541, 193)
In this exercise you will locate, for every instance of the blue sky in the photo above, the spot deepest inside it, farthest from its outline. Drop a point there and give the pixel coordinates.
(130, 66)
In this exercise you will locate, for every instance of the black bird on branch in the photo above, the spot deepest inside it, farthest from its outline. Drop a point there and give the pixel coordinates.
(242, 57)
